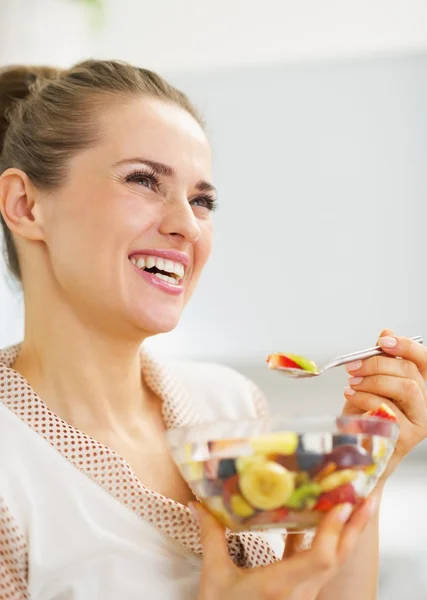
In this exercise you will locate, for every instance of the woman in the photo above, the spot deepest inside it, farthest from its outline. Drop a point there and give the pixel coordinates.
(106, 199)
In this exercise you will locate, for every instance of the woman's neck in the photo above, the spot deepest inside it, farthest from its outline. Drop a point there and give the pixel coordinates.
(83, 374)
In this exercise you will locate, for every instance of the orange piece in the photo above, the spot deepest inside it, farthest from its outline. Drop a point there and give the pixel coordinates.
(327, 470)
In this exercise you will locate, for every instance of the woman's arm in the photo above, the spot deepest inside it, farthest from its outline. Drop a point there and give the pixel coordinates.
(357, 579)
(402, 385)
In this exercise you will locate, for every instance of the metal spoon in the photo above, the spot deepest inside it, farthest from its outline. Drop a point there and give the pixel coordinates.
(337, 362)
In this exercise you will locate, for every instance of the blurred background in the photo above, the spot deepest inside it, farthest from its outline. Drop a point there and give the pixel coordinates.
(317, 113)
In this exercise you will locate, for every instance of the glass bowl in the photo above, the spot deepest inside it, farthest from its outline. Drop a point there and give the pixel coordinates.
(280, 473)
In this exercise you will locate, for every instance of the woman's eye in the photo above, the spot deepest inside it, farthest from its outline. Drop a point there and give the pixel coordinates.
(205, 202)
(145, 181)
(148, 180)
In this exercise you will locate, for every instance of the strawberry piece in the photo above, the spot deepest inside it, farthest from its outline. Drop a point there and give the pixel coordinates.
(340, 495)
(323, 505)
(383, 412)
(281, 361)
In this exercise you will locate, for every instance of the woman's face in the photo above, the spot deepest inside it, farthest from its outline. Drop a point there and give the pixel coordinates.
(130, 231)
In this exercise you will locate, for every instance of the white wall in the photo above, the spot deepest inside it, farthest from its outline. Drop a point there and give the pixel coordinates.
(320, 235)
(44, 31)
(205, 34)
(200, 34)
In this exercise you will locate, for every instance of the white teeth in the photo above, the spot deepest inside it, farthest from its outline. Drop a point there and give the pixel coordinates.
(174, 268)
(168, 266)
(166, 278)
(178, 269)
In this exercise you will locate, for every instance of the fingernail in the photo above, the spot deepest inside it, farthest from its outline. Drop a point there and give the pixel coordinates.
(387, 342)
(345, 512)
(355, 380)
(193, 511)
(348, 391)
(354, 366)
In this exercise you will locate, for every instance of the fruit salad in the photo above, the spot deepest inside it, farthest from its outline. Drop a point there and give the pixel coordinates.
(288, 479)
(291, 361)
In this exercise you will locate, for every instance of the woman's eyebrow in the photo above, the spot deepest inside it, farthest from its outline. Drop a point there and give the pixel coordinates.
(165, 170)
(204, 186)
(159, 168)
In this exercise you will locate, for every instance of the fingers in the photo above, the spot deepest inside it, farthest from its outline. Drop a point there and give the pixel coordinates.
(320, 559)
(385, 366)
(384, 377)
(361, 402)
(339, 532)
(326, 541)
(355, 526)
(406, 394)
(407, 349)
(215, 550)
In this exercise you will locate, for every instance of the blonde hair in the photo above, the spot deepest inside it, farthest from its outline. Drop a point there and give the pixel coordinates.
(47, 115)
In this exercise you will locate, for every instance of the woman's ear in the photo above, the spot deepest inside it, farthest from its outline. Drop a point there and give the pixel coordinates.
(19, 206)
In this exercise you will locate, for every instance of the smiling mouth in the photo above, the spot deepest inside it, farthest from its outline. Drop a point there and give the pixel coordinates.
(167, 270)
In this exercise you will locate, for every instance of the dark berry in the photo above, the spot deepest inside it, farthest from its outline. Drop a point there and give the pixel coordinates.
(227, 468)
(343, 439)
(309, 461)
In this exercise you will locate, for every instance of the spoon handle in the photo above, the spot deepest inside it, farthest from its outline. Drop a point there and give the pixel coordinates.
(362, 354)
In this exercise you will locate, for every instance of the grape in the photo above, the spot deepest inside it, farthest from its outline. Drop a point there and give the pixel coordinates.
(347, 457)
(227, 468)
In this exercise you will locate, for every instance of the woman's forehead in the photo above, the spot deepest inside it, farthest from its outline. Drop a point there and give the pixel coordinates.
(154, 130)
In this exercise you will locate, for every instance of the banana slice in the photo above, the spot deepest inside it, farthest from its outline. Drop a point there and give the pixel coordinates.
(216, 506)
(275, 443)
(240, 507)
(247, 462)
(337, 479)
(267, 485)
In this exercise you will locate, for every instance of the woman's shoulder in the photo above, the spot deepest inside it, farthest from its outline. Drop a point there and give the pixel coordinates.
(220, 391)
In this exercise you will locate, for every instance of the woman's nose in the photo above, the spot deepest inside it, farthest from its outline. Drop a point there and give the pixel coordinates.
(179, 220)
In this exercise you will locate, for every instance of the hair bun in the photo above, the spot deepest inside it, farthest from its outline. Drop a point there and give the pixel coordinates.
(15, 84)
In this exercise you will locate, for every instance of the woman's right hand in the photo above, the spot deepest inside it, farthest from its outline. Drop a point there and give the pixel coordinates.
(299, 577)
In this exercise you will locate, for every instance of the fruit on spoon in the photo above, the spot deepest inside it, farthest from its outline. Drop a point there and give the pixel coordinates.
(291, 361)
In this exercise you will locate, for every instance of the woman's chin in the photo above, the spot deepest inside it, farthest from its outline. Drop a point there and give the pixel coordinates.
(156, 324)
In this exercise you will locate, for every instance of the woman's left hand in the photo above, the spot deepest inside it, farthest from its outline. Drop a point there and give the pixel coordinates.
(400, 383)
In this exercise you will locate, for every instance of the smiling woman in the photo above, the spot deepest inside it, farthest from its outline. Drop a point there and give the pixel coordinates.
(106, 198)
